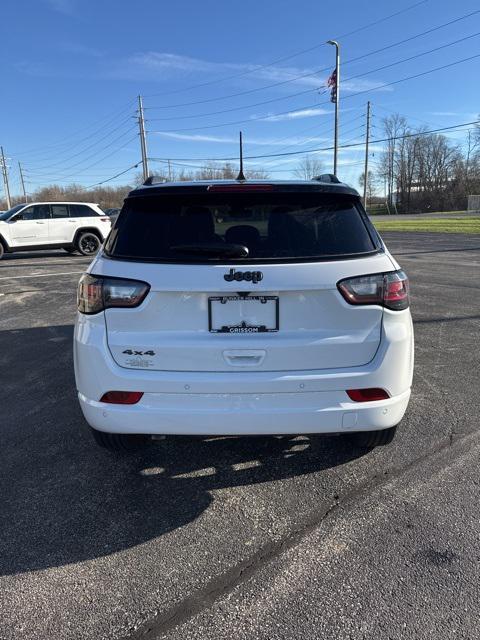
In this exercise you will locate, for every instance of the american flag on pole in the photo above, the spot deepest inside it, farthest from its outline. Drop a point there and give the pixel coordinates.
(332, 83)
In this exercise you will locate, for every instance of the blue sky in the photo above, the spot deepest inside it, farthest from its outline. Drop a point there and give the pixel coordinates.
(73, 68)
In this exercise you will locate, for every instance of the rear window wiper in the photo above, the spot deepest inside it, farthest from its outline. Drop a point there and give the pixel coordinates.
(217, 249)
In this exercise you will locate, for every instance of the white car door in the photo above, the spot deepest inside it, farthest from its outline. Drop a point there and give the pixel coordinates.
(30, 226)
(62, 227)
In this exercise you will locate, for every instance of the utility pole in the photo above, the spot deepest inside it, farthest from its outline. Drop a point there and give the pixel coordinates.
(22, 182)
(5, 178)
(143, 138)
(336, 95)
(367, 141)
(169, 171)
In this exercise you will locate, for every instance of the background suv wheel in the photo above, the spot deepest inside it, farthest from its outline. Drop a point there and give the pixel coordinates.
(88, 243)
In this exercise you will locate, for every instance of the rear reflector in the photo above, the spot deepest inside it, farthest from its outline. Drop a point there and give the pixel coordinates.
(367, 395)
(121, 397)
(240, 187)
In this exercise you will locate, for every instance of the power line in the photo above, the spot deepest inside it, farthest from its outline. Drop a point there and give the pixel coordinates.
(417, 75)
(314, 150)
(405, 115)
(289, 57)
(317, 71)
(414, 57)
(32, 175)
(247, 106)
(316, 105)
(319, 131)
(265, 117)
(300, 93)
(134, 166)
(35, 150)
(112, 142)
(63, 178)
(91, 146)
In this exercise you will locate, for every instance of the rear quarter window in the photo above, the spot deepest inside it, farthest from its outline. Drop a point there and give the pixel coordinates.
(279, 227)
(81, 211)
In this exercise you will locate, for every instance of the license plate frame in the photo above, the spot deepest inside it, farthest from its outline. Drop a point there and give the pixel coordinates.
(243, 328)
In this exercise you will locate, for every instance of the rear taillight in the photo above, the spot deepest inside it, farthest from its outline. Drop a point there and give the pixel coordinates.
(367, 395)
(96, 293)
(122, 397)
(389, 290)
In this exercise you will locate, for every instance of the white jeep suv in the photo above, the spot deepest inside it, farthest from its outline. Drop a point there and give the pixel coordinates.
(235, 308)
(73, 226)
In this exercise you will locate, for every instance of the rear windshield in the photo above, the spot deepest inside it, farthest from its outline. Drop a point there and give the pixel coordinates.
(255, 227)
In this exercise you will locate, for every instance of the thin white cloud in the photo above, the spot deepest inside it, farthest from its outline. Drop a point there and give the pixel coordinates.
(295, 115)
(161, 66)
(197, 138)
(284, 142)
(461, 115)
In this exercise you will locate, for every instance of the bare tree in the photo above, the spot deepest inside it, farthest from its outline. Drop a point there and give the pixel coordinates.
(423, 171)
(308, 167)
(371, 184)
(227, 171)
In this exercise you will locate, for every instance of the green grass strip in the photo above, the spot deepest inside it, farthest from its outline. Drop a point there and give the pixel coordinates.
(443, 225)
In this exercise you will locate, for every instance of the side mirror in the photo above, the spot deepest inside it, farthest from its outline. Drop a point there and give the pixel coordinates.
(16, 218)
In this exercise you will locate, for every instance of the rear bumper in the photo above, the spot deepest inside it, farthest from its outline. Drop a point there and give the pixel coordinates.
(244, 414)
(243, 402)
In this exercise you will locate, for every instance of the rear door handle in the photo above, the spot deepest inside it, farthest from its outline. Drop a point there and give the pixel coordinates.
(244, 357)
(38, 222)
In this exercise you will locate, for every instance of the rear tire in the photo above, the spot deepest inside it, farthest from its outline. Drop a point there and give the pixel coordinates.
(371, 439)
(2, 250)
(88, 243)
(120, 442)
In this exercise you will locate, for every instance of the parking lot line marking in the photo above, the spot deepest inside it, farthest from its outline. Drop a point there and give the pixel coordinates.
(43, 275)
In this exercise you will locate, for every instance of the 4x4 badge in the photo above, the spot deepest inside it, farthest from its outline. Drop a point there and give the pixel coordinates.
(133, 352)
(248, 276)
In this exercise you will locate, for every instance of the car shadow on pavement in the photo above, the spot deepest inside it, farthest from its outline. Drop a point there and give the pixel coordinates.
(19, 256)
(64, 500)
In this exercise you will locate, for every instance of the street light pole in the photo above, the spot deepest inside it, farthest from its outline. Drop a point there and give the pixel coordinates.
(337, 101)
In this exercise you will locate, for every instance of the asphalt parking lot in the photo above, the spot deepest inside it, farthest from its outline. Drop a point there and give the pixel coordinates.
(246, 538)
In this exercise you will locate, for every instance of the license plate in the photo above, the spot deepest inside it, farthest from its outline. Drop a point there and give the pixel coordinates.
(243, 314)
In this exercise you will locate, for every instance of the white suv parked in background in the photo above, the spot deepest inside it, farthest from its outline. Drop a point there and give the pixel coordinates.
(237, 308)
(73, 226)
